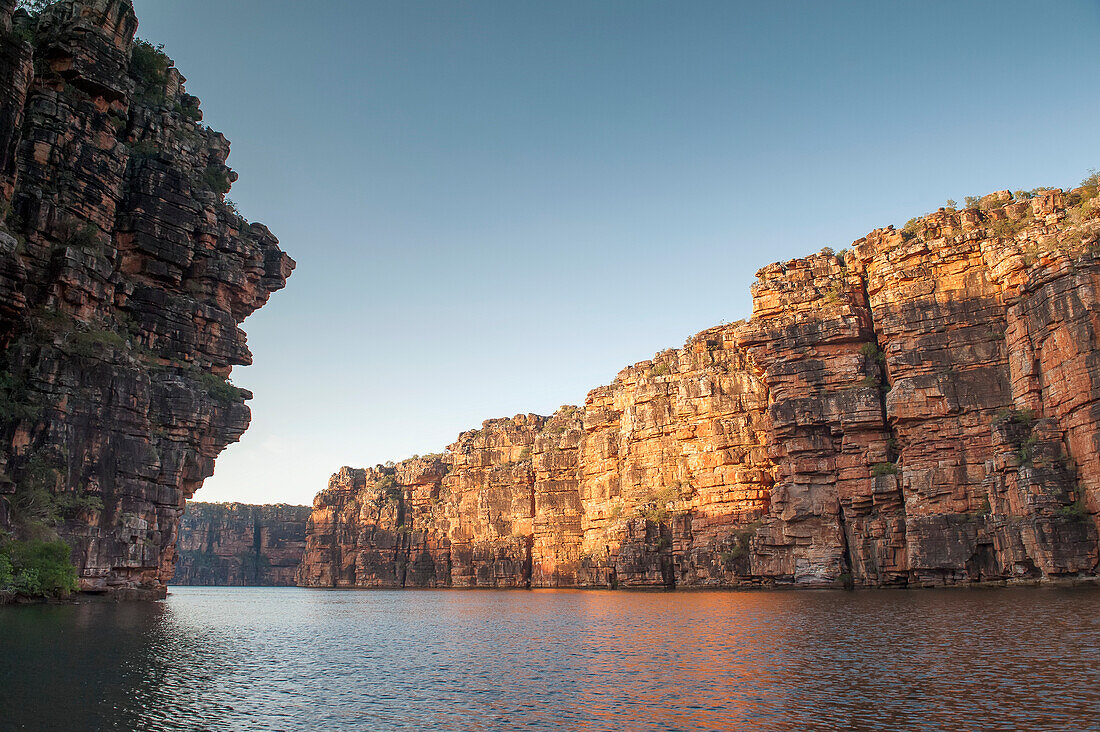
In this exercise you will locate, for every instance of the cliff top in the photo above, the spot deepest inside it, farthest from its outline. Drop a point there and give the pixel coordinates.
(1034, 228)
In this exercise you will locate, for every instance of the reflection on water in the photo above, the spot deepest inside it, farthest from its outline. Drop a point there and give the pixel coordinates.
(287, 659)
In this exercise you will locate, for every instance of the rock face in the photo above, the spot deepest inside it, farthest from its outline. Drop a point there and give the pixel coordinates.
(922, 409)
(240, 544)
(124, 273)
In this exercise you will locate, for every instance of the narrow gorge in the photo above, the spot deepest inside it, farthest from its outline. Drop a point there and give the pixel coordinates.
(240, 545)
(124, 275)
(921, 409)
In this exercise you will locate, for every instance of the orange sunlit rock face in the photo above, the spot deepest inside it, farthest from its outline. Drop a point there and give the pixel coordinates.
(919, 409)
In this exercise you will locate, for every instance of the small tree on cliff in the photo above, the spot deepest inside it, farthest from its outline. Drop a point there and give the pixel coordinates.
(34, 6)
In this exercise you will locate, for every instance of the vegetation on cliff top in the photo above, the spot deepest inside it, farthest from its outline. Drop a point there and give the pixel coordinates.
(34, 6)
(1080, 216)
(149, 66)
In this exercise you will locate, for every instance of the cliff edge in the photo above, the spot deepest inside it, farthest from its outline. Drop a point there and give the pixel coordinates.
(124, 273)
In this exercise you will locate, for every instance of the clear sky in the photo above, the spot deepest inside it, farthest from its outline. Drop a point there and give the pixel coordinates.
(495, 206)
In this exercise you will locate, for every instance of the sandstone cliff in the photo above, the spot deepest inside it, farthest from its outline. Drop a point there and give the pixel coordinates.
(921, 409)
(240, 544)
(124, 273)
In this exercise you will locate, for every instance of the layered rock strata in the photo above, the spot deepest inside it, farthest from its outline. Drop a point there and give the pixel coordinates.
(124, 273)
(237, 544)
(921, 409)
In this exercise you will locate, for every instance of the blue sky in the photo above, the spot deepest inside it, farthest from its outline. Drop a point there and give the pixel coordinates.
(495, 206)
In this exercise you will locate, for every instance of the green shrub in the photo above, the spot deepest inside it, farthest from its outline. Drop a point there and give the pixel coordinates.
(1026, 453)
(7, 571)
(659, 369)
(389, 488)
(85, 237)
(149, 67)
(216, 179)
(34, 506)
(188, 111)
(26, 32)
(70, 504)
(241, 222)
(665, 495)
(217, 387)
(912, 227)
(872, 352)
(1074, 511)
(88, 343)
(880, 469)
(654, 505)
(1007, 228)
(17, 402)
(34, 6)
(835, 291)
(117, 121)
(37, 569)
(742, 542)
(1024, 416)
(144, 149)
(971, 201)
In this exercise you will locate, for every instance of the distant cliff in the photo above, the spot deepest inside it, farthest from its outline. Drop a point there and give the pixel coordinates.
(124, 273)
(240, 544)
(921, 409)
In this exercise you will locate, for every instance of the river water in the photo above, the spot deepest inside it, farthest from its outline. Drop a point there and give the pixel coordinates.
(295, 659)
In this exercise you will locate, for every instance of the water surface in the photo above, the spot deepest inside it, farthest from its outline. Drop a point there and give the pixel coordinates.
(291, 659)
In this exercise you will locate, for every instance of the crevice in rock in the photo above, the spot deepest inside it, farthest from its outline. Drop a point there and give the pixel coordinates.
(528, 561)
(848, 570)
(893, 448)
(883, 370)
(257, 546)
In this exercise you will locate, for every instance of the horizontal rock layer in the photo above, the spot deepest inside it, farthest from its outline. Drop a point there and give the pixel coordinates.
(237, 544)
(124, 273)
(921, 409)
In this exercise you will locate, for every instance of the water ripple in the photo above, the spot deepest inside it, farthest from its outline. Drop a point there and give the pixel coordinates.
(292, 659)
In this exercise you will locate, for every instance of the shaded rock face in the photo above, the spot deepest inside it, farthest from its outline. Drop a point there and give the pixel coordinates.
(236, 544)
(922, 409)
(124, 273)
